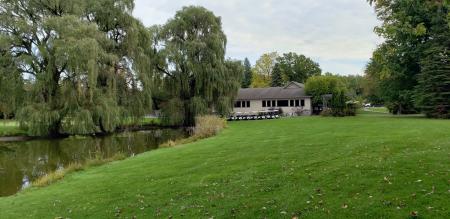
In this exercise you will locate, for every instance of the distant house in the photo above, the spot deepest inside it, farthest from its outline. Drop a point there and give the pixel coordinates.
(290, 99)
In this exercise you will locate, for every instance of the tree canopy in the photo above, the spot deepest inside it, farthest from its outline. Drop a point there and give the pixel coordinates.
(88, 63)
(317, 86)
(433, 91)
(196, 75)
(398, 64)
(262, 72)
(12, 91)
(297, 68)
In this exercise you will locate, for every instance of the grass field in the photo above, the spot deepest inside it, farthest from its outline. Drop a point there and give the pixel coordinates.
(377, 109)
(10, 128)
(368, 166)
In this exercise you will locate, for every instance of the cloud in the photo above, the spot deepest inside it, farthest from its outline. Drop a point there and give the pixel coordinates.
(338, 34)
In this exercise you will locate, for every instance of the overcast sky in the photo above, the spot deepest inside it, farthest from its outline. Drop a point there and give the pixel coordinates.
(338, 34)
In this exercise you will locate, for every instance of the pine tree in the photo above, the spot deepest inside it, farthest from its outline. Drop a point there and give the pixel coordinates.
(433, 91)
(248, 75)
(276, 77)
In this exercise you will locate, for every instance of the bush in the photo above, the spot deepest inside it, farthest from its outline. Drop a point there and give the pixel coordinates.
(351, 108)
(207, 126)
(326, 113)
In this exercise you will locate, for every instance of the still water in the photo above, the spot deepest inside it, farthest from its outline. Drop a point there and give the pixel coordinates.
(23, 162)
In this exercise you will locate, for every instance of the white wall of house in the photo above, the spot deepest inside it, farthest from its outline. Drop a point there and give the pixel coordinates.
(257, 106)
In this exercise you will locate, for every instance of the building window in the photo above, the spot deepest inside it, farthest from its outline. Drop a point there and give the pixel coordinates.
(237, 104)
(274, 103)
(264, 103)
(269, 103)
(244, 104)
(292, 103)
(297, 103)
(303, 102)
(283, 103)
(248, 104)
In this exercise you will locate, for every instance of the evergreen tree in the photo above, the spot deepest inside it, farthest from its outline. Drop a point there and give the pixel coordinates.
(276, 78)
(396, 64)
(433, 91)
(248, 75)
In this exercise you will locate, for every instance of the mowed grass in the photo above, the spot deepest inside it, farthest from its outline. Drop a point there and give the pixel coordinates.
(377, 109)
(310, 167)
(10, 128)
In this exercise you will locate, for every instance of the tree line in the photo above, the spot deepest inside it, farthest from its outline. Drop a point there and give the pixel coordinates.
(410, 71)
(272, 70)
(85, 67)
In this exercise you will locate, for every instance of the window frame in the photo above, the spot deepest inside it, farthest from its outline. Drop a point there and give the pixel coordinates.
(283, 103)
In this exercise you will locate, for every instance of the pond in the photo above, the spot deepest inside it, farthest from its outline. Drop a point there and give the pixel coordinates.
(22, 162)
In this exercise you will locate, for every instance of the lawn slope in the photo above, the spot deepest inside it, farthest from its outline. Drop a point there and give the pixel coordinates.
(313, 167)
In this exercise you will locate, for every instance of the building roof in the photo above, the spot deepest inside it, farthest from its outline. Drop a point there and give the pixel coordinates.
(293, 90)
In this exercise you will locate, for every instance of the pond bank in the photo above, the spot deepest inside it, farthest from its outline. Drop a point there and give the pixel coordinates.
(22, 162)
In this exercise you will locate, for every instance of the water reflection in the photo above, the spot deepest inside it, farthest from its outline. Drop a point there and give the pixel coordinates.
(23, 162)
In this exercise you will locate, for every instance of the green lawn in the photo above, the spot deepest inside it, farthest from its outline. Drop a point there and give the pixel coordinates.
(10, 128)
(377, 109)
(363, 167)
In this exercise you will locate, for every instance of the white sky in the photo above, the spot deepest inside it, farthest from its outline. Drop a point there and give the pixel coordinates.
(338, 34)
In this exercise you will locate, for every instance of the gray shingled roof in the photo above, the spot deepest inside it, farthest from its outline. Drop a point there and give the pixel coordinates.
(293, 90)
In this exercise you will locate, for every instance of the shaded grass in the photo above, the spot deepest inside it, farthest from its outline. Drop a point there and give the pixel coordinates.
(142, 122)
(10, 128)
(312, 167)
(377, 109)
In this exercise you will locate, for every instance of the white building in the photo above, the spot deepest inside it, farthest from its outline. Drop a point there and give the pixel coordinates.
(290, 99)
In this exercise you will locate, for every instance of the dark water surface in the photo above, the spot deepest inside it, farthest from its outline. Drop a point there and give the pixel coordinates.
(22, 162)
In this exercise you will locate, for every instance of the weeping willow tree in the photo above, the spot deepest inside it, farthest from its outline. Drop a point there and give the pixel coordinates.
(197, 77)
(88, 63)
(11, 83)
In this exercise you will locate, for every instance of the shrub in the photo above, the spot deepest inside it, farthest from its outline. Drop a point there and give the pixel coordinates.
(49, 178)
(351, 108)
(326, 113)
(207, 126)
